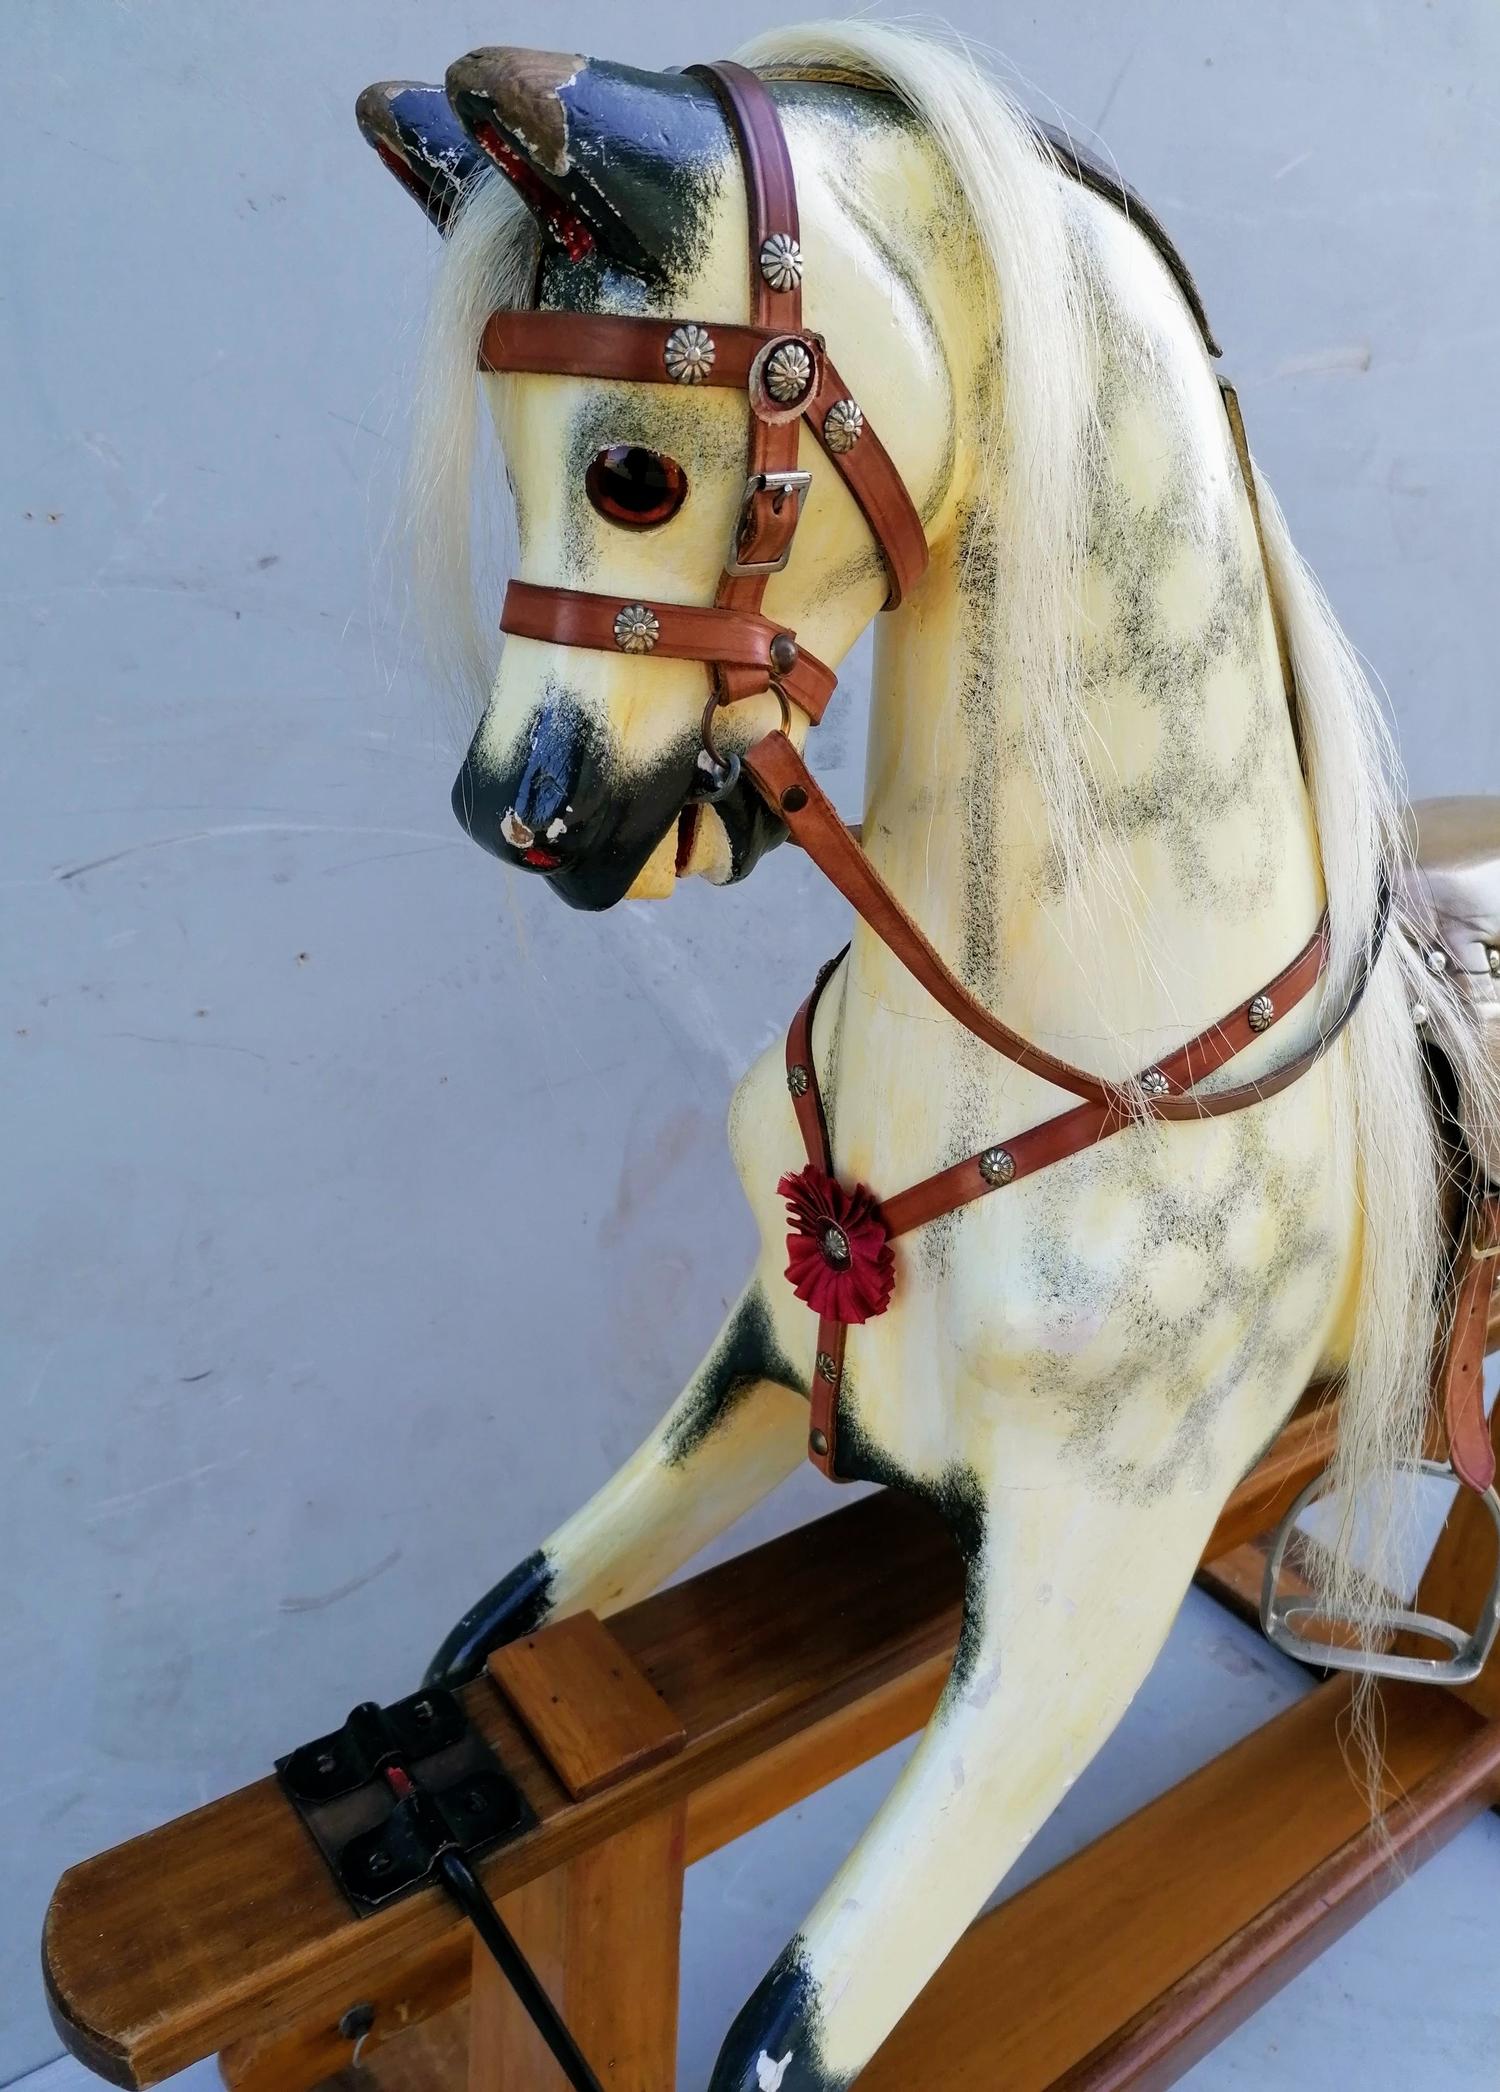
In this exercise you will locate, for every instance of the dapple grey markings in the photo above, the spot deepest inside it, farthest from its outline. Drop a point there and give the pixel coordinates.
(1175, 1363)
(1088, 1358)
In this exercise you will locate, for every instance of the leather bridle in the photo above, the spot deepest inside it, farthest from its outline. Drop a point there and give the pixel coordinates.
(789, 378)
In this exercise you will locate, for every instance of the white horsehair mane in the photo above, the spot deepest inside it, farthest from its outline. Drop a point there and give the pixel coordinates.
(1038, 443)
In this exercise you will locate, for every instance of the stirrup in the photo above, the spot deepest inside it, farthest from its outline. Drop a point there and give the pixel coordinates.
(1282, 1614)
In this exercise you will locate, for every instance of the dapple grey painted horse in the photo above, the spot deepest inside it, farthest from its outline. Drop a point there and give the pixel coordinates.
(1088, 781)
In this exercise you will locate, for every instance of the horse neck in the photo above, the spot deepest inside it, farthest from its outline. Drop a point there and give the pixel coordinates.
(1212, 881)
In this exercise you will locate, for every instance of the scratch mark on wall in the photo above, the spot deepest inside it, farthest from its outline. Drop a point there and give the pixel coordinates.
(1354, 356)
(316, 1603)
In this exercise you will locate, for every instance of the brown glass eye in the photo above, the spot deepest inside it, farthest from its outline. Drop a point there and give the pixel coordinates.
(635, 487)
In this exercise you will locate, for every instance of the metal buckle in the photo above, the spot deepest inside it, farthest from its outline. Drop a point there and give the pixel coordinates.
(1282, 1614)
(782, 483)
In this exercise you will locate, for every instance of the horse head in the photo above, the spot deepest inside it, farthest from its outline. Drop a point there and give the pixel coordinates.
(589, 764)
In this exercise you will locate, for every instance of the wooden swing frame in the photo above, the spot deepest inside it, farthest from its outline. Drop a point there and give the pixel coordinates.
(222, 1933)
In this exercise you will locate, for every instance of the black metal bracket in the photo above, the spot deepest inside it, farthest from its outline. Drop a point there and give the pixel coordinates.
(409, 1794)
(394, 1789)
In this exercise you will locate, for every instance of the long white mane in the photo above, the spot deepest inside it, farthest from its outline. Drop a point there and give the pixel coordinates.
(1038, 441)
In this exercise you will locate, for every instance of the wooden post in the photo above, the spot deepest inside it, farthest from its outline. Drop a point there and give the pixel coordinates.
(602, 1935)
(602, 1932)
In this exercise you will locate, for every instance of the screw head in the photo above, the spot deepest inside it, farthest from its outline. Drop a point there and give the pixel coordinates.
(1260, 1012)
(688, 354)
(783, 653)
(997, 1165)
(836, 1247)
(828, 1367)
(1155, 1084)
(798, 1079)
(818, 1442)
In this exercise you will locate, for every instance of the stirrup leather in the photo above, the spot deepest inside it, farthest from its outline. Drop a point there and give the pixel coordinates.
(1284, 1613)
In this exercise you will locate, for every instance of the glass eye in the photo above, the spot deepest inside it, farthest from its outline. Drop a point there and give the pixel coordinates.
(634, 487)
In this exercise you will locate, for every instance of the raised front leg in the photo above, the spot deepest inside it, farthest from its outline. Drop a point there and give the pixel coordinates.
(737, 1429)
(1070, 1597)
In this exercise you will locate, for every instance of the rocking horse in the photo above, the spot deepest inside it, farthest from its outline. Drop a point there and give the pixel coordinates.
(1121, 1117)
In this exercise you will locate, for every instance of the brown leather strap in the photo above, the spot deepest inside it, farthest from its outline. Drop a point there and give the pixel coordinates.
(751, 651)
(1068, 1133)
(878, 488)
(789, 788)
(807, 1103)
(1459, 1381)
(771, 511)
(610, 345)
(802, 1073)
(1072, 1131)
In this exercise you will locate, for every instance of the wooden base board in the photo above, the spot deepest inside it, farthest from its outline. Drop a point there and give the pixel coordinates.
(1130, 1961)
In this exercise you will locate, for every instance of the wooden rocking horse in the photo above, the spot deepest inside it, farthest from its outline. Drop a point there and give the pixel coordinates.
(1158, 1080)
(1128, 846)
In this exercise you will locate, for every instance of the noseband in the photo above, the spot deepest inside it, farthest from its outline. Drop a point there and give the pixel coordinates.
(841, 1261)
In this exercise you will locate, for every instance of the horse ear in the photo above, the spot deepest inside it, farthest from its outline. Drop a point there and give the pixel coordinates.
(605, 156)
(417, 135)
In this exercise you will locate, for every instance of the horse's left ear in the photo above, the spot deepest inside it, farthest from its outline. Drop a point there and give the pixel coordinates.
(417, 135)
(604, 155)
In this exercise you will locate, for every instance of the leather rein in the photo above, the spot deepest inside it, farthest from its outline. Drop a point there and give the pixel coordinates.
(839, 1248)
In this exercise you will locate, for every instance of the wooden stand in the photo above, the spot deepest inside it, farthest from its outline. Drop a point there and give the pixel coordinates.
(699, 1714)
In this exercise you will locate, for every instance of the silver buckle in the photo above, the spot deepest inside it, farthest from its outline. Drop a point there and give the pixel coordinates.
(765, 483)
(1281, 1614)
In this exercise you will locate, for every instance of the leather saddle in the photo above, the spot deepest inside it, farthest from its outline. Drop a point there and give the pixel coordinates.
(1451, 898)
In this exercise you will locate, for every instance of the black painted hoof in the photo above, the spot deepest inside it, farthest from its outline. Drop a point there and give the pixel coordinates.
(771, 2046)
(517, 1605)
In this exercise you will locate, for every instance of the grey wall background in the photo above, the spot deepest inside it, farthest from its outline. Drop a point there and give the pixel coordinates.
(362, 1209)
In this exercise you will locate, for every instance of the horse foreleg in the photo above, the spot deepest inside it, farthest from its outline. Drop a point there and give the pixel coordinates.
(1069, 1599)
(737, 1429)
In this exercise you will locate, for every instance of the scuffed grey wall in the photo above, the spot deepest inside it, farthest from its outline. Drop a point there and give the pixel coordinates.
(362, 1209)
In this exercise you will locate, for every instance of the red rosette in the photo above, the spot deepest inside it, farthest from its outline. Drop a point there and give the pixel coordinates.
(839, 1256)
